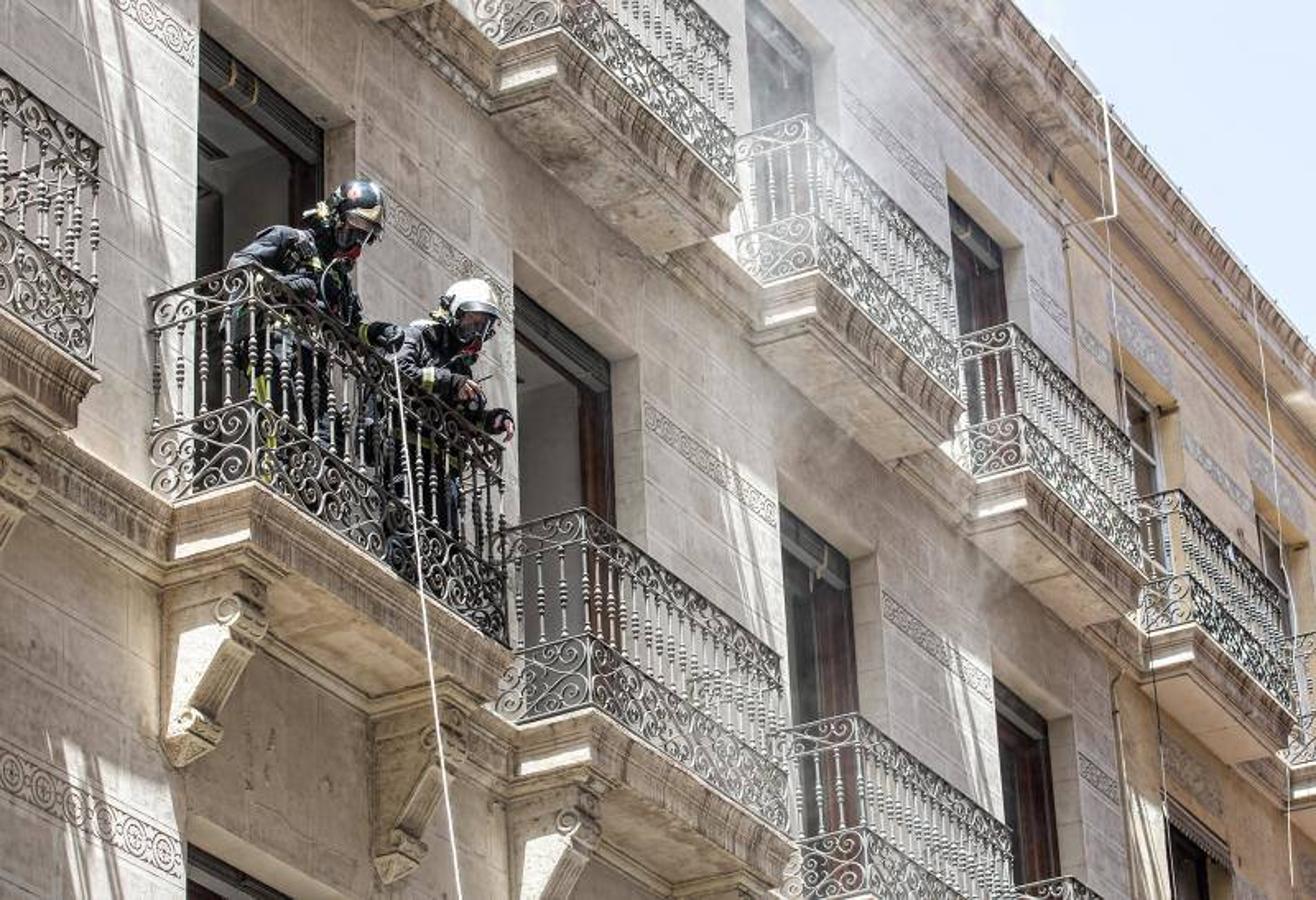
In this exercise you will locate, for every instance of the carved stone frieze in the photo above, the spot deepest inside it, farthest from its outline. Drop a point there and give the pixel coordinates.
(178, 36)
(19, 476)
(974, 676)
(211, 629)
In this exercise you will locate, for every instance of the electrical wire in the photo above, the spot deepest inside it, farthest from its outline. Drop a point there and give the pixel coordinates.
(425, 627)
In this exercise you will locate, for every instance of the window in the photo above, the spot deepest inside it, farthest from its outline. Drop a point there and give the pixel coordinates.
(1274, 564)
(1141, 425)
(258, 158)
(819, 623)
(1026, 787)
(780, 70)
(210, 878)
(564, 404)
(979, 273)
(1188, 864)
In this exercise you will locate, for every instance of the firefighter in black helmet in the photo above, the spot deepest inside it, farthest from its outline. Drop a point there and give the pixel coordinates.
(316, 261)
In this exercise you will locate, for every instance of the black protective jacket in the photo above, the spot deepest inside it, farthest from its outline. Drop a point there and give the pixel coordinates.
(298, 256)
(429, 354)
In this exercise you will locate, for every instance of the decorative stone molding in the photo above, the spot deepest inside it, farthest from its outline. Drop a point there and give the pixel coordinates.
(1043, 300)
(38, 785)
(407, 781)
(1140, 342)
(1191, 774)
(40, 377)
(720, 471)
(1218, 473)
(1264, 477)
(1098, 779)
(909, 161)
(177, 36)
(554, 834)
(939, 648)
(1095, 347)
(211, 629)
(19, 477)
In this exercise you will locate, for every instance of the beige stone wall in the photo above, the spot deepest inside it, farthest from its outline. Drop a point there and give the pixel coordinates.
(708, 440)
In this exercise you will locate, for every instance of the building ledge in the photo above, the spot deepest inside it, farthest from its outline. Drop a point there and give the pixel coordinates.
(1199, 683)
(651, 810)
(44, 381)
(325, 598)
(1044, 544)
(839, 357)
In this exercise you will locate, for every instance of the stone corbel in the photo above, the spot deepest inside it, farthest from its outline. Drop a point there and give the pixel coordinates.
(211, 629)
(407, 781)
(554, 834)
(19, 478)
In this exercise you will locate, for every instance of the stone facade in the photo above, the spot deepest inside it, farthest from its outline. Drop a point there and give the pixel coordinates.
(226, 672)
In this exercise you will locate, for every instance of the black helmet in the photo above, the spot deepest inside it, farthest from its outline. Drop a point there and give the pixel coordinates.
(359, 206)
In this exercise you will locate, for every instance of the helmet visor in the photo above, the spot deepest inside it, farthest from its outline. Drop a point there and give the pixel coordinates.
(475, 325)
(366, 223)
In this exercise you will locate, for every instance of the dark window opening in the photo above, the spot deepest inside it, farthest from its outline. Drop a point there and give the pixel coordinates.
(258, 159)
(1141, 424)
(564, 406)
(1274, 564)
(780, 70)
(1026, 787)
(1190, 867)
(210, 878)
(979, 273)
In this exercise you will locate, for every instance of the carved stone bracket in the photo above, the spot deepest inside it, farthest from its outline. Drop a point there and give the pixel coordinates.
(211, 629)
(554, 834)
(408, 783)
(19, 478)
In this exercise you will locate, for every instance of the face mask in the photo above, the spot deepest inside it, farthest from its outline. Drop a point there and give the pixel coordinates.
(475, 332)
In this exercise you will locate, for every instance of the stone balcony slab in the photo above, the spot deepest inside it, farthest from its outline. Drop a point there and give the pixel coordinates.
(626, 112)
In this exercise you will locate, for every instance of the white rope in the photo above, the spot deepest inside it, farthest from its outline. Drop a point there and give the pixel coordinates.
(1283, 565)
(425, 626)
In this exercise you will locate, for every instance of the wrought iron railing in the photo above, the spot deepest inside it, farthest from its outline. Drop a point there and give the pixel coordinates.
(872, 820)
(1066, 888)
(806, 205)
(669, 54)
(600, 624)
(1025, 413)
(1209, 581)
(49, 229)
(1302, 743)
(252, 384)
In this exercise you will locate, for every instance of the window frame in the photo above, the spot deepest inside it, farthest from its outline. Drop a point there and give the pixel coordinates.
(1023, 735)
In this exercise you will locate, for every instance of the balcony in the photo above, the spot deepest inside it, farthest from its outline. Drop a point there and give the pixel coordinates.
(1299, 782)
(626, 102)
(613, 649)
(1065, 888)
(49, 235)
(857, 308)
(1217, 656)
(1055, 500)
(278, 437)
(873, 821)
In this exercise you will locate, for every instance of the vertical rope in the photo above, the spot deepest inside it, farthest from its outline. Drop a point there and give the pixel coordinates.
(1283, 565)
(425, 626)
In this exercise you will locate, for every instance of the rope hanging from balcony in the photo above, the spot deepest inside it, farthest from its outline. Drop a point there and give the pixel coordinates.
(425, 627)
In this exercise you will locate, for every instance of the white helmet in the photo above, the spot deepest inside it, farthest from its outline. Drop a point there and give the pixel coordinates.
(471, 295)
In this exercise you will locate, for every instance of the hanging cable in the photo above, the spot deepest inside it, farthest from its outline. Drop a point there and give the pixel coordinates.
(1283, 568)
(425, 627)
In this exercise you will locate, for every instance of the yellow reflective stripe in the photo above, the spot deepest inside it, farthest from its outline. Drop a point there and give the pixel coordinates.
(427, 378)
(363, 332)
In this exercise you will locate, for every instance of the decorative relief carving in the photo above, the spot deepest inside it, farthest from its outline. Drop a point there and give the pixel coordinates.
(52, 793)
(922, 175)
(165, 28)
(1139, 341)
(720, 471)
(939, 648)
(1242, 499)
(1048, 304)
(19, 476)
(1098, 778)
(1263, 476)
(1095, 347)
(429, 241)
(1187, 771)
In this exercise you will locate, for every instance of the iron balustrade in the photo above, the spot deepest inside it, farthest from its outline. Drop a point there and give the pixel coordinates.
(1066, 888)
(599, 624)
(807, 206)
(1302, 742)
(669, 54)
(252, 384)
(1025, 413)
(872, 820)
(49, 228)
